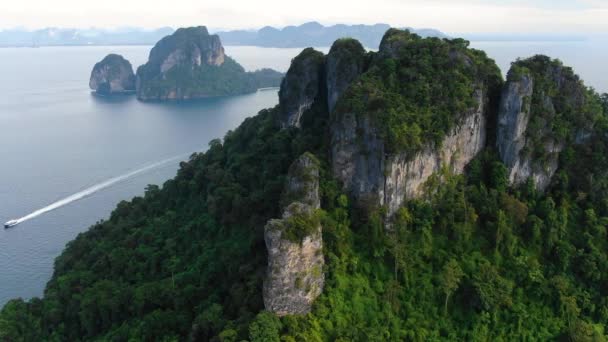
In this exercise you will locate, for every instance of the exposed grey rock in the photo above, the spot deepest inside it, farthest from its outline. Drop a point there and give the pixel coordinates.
(345, 62)
(535, 155)
(513, 119)
(302, 184)
(188, 48)
(376, 178)
(301, 86)
(294, 277)
(406, 177)
(113, 75)
(191, 64)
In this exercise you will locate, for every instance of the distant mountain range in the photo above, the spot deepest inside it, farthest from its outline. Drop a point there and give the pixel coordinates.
(309, 34)
(70, 36)
(314, 34)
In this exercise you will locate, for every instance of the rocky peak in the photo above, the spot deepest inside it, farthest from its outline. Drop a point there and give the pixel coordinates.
(113, 75)
(393, 41)
(542, 109)
(294, 276)
(187, 46)
(345, 62)
(301, 86)
(191, 64)
(383, 156)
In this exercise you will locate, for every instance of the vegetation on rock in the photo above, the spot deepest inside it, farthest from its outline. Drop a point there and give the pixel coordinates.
(112, 75)
(416, 89)
(191, 64)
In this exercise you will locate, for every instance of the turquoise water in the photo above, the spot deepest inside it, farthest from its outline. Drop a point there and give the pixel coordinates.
(81, 155)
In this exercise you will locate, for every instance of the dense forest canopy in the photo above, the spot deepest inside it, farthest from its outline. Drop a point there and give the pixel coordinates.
(473, 260)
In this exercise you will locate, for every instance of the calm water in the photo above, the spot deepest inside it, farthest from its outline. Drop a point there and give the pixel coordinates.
(58, 140)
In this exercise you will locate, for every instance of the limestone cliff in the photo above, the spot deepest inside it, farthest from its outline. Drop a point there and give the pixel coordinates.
(301, 86)
(294, 277)
(397, 116)
(112, 75)
(191, 64)
(360, 161)
(372, 162)
(405, 177)
(542, 109)
(345, 63)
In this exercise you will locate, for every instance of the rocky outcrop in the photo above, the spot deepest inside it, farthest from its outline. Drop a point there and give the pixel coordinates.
(377, 178)
(301, 86)
(294, 277)
(187, 46)
(377, 174)
(405, 177)
(538, 92)
(191, 64)
(513, 119)
(345, 62)
(113, 75)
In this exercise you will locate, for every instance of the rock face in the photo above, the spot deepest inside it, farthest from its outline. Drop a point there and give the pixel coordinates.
(513, 119)
(294, 277)
(538, 92)
(345, 62)
(405, 177)
(191, 64)
(113, 75)
(187, 46)
(360, 161)
(301, 86)
(379, 176)
(369, 166)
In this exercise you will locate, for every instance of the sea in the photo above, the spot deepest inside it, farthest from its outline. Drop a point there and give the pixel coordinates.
(67, 156)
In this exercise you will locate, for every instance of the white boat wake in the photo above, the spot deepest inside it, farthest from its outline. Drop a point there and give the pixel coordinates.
(89, 191)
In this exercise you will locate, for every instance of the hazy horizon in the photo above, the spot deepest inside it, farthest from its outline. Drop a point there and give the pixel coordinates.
(451, 16)
(476, 34)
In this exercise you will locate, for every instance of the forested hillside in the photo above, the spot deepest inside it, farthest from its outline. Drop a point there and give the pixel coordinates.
(473, 258)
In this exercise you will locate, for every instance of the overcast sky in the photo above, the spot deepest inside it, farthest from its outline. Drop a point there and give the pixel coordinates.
(538, 16)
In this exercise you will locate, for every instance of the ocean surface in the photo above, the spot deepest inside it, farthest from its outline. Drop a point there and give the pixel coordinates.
(68, 157)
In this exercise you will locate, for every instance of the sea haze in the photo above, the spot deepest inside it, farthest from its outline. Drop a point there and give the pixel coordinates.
(58, 141)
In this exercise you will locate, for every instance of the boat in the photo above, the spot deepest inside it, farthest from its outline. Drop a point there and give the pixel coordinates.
(11, 223)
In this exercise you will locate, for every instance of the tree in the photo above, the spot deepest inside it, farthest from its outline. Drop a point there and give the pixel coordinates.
(265, 328)
(499, 178)
(450, 280)
(398, 241)
(493, 290)
(604, 99)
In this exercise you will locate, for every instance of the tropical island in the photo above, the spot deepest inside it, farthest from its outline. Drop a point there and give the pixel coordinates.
(406, 194)
(112, 75)
(189, 64)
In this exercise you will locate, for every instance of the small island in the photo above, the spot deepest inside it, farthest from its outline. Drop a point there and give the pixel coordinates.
(191, 64)
(113, 76)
